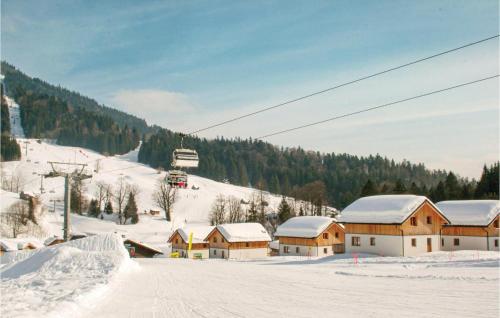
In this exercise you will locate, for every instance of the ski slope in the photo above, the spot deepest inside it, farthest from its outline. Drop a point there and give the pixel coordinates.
(434, 285)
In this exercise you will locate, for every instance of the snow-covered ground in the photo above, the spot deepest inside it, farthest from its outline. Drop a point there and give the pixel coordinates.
(440, 284)
(53, 281)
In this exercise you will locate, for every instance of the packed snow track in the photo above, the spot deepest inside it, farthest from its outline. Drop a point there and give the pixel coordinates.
(465, 285)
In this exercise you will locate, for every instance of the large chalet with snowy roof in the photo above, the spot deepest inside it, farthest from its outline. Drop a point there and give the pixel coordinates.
(199, 248)
(393, 225)
(474, 225)
(238, 241)
(310, 236)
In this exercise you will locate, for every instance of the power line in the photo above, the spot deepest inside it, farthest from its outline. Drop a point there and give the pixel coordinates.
(341, 85)
(376, 107)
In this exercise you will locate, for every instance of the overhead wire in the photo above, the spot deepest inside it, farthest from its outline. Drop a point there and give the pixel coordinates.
(265, 109)
(376, 107)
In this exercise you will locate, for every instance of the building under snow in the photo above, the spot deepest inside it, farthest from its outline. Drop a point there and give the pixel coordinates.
(199, 248)
(238, 241)
(392, 225)
(474, 225)
(310, 236)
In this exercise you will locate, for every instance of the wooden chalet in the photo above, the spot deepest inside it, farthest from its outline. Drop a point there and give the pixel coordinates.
(140, 250)
(199, 248)
(473, 225)
(393, 225)
(310, 236)
(238, 241)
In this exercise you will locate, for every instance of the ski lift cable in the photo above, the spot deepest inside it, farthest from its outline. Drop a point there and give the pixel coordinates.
(341, 85)
(377, 107)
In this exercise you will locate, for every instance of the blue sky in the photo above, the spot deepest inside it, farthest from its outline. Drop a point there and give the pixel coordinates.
(185, 65)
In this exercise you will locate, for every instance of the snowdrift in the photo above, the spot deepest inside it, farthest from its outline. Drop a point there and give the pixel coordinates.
(52, 281)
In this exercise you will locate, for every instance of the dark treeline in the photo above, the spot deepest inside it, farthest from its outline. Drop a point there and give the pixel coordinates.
(44, 116)
(294, 171)
(15, 78)
(451, 188)
(9, 148)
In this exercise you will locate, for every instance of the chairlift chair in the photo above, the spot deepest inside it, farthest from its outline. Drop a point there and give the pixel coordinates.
(184, 158)
(177, 178)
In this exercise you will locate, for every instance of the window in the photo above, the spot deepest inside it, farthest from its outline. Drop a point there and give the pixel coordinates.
(495, 223)
(336, 234)
(215, 252)
(204, 245)
(456, 242)
(413, 221)
(414, 242)
(215, 239)
(442, 242)
(176, 241)
(325, 250)
(325, 236)
(429, 220)
(496, 243)
(297, 250)
(355, 241)
(372, 241)
(286, 249)
(247, 244)
(222, 240)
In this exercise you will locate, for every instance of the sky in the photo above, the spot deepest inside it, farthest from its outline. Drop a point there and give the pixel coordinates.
(185, 65)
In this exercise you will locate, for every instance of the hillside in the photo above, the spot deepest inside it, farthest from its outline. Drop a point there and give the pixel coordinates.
(15, 79)
(292, 171)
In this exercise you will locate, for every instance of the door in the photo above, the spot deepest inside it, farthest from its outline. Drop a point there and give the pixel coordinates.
(429, 244)
(223, 254)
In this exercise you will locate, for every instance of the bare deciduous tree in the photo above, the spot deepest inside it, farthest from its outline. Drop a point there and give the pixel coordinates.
(165, 197)
(100, 193)
(120, 194)
(236, 214)
(218, 211)
(17, 218)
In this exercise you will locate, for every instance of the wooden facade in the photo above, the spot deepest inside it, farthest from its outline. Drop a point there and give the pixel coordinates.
(335, 235)
(179, 243)
(216, 240)
(490, 230)
(425, 220)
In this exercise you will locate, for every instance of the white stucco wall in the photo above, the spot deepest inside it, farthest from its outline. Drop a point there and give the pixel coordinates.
(467, 243)
(492, 244)
(248, 253)
(421, 247)
(218, 253)
(305, 250)
(385, 245)
(184, 253)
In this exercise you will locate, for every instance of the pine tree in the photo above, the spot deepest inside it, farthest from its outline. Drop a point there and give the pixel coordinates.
(414, 189)
(284, 211)
(399, 188)
(439, 193)
(452, 187)
(108, 208)
(252, 212)
(368, 189)
(274, 185)
(130, 210)
(93, 208)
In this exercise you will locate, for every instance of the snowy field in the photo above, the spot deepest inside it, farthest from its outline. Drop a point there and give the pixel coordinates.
(94, 278)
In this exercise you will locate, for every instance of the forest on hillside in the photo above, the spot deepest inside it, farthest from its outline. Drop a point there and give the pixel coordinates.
(44, 116)
(9, 148)
(16, 79)
(335, 179)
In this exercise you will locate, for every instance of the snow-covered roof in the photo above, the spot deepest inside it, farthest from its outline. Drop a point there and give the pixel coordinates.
(146, 246)
(51, 240)
(390, 209)
(200, 232)
(275, 245)
(470, 212)
(304, 226)
(244, 232)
